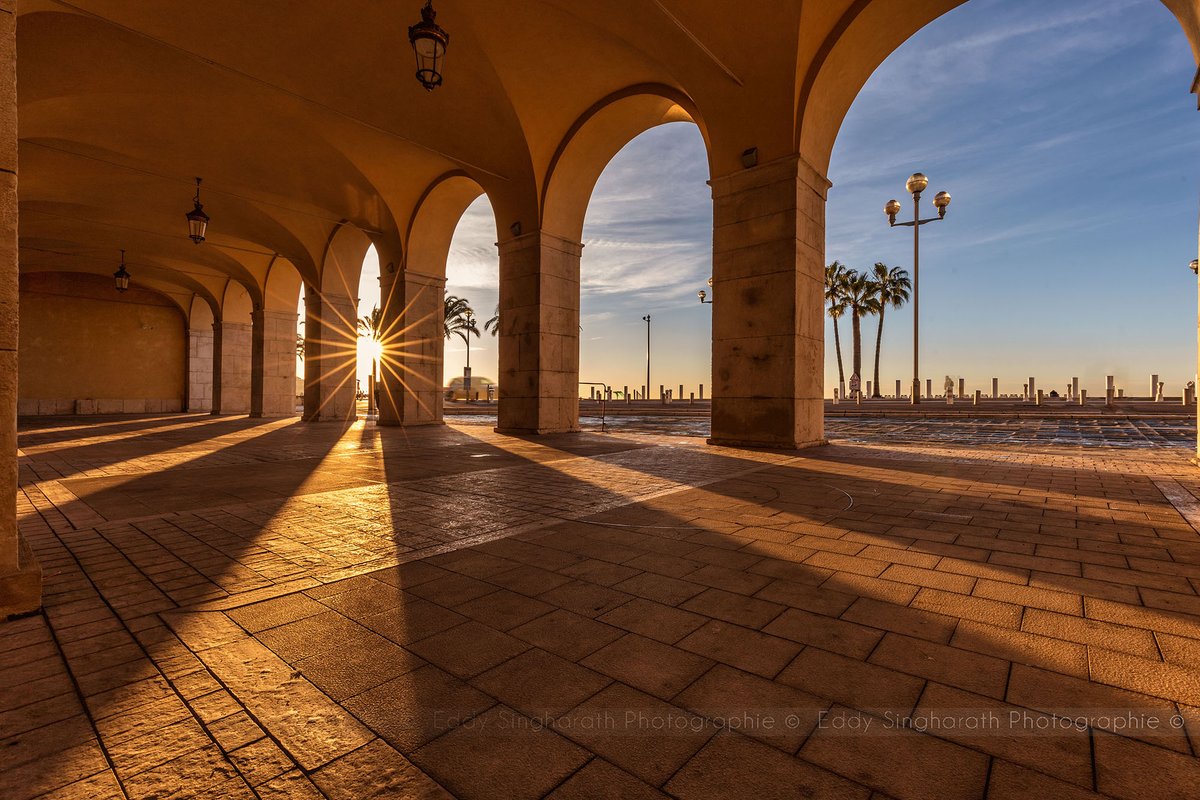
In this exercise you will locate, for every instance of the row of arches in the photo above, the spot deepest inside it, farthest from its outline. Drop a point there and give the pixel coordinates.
(767, 150)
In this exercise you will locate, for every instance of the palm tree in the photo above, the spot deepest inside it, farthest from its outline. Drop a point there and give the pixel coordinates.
(835, 295)
(458, 318)
(371, 326)
(492, 325)
(860, 301)
(892, 286)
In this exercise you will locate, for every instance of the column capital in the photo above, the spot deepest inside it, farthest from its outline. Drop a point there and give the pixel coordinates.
(781, 169)
(540, 238)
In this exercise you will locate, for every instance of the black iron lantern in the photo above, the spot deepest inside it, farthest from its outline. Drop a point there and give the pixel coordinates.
(122, 275)
(429, 42)
(197, 219)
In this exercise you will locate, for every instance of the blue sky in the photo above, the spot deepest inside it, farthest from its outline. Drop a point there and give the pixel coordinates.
(1065, 133)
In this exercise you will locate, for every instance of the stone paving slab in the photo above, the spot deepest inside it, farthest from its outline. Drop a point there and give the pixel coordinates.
(585, 616)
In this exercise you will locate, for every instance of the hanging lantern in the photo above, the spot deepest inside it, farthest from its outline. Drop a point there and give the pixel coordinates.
(122, 275)
(429, 42)
(197, 219)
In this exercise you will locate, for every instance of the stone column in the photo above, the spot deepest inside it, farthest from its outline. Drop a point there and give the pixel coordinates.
(231, 367)
(200, 370)
(1154, 386)
(1074, 387)
(330, 356)
(897, 390)
(962, 387)
(769, 324)
(995, 388)
(20, 577)
(539, 334)
(410, 374)
(273, 364)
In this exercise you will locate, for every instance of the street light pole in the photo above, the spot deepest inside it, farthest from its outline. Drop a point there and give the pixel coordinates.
(467, 370)
(916, 184)
(647, 319)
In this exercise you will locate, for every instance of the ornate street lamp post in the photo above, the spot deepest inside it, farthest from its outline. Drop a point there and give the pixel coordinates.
(916, 184)
(646, 319)
(703, 294)
(470, 324)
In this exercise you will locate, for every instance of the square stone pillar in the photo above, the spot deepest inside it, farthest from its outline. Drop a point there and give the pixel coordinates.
(273, 364)
(330, 356)
(231, 367)
(200, 370)
(414, 346)
(20, 576)
(768, 307)
(539, 334)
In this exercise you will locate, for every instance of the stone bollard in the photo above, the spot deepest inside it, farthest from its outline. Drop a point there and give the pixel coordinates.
(1032, 387)
(836, 398)
(977, 396)
(1158, 394)
(1082, 397)
(692, 399)
(995, 388)
(1109, 394)
(1038, 397)
(702, 392)
(962, 387)
(1074, 387)
(1155, 387)
(1024, 391)
(929, 387)
(897, 390)
(681, 391)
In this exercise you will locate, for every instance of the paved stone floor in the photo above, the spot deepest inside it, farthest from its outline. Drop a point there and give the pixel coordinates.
(246, 608)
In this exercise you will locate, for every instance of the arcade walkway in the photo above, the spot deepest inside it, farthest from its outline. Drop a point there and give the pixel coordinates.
(244, 608)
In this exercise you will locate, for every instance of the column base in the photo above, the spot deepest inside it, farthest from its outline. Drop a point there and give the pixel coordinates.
(399, 423)
(21, 591)
(535, 431)
(752, 445)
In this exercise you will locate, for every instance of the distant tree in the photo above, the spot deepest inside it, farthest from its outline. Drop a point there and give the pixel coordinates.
(892, 288)
(860, 301)
(459, 318)
(300, 346)
(370, 325)
(492, 326)
(835, 294)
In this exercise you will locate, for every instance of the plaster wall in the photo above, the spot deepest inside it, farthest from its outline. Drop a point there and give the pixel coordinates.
(85, 349)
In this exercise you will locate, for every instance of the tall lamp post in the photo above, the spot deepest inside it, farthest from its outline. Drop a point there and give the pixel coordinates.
(470, 323)
(647, 321)
(916, 184)
(703, 294)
